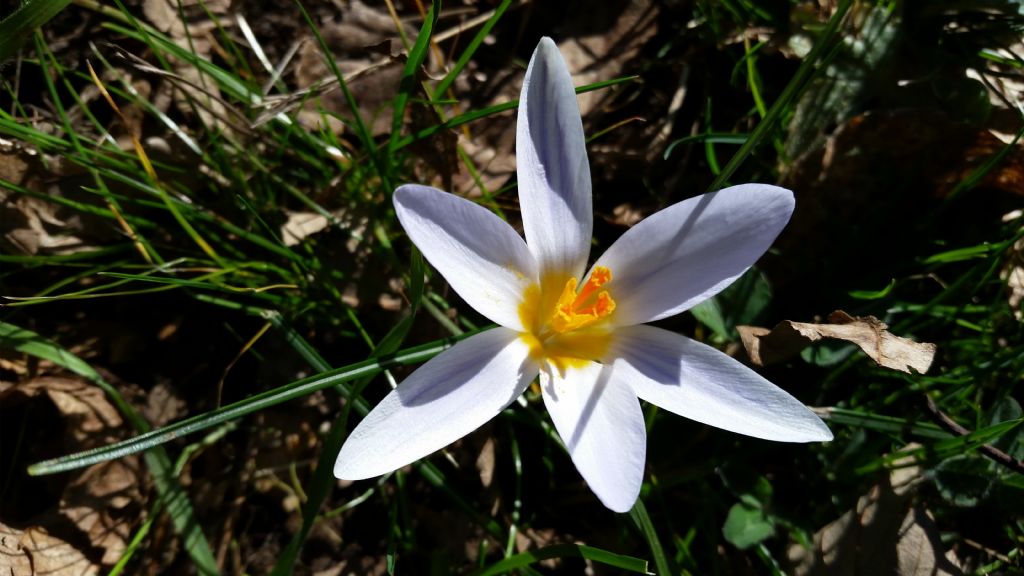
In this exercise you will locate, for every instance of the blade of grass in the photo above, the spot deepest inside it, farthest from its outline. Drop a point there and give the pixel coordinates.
(525, 559)
(241, 408)
(886, 424)
(407, 83)
(471, 49)
(771, 119)
(491, 110)
(323, 476)
(946, 448)
(643, 522)
(362, 132)
(171, 494)
(17, 27)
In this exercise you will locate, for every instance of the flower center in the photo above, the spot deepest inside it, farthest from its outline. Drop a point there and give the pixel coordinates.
(567, 324)
(578, 310)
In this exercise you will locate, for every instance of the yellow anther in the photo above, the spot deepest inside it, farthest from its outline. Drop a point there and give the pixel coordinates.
(578, 310)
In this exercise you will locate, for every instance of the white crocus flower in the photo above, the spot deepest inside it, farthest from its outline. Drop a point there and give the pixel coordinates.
(581, 331)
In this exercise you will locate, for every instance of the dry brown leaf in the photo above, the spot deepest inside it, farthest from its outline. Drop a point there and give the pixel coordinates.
(884, 534)
(32, 225)
(98, 501)
(193, 34)
(163, 404)
(33, 552)
(371, 77)
(302, 224)
(485, 463)
(766, 346)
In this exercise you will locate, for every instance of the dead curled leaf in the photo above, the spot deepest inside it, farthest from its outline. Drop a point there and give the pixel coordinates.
(34, 552)
(885, 533)
(97, 506)
(766, 346)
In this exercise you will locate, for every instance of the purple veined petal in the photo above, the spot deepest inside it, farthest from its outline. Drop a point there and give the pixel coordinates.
(688, 252)
(442, 401)
(600, 421)
(698, 382)
(486, 262)
(552, 166)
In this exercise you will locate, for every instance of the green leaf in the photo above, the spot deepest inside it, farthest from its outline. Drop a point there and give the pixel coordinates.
(827, 353)
(965, 480)
(743, 302)
(746, 526)
(1005, 410)
(709, 314)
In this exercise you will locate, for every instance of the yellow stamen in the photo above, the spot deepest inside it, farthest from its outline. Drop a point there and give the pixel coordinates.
(578, 310)
(564, 328)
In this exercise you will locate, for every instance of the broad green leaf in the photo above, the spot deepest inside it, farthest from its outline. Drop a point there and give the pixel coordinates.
(746, 526)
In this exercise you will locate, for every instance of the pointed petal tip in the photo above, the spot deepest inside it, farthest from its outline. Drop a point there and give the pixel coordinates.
(767, 192)
(806, 430)
(348, 469)
(546, 44)
(619, 506)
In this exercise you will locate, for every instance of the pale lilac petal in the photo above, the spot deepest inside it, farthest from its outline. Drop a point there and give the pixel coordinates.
(697, 381)
(600, 421)
(483, 259)
(688, 252)
(552, 166)
(442, 401)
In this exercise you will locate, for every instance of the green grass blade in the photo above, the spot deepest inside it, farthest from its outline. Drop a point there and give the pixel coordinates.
(317, 491)
(468, 117)
(365, 137)
(323, 477)
(885, 424)
(525, 559)
(171, 494)
(470, 50)
(365, 368)
(803, 74)
(643, 522)
(408, 83)
(17, 27)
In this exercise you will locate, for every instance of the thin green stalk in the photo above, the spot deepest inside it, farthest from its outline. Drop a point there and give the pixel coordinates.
(408, 83)
(803, 74)
(241, 408)
(639, 516)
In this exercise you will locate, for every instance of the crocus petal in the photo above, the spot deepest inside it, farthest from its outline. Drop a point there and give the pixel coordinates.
(601, 423)
(552, 166)
(688, 252)
(486, 262)
(442, 401)
(699, 382)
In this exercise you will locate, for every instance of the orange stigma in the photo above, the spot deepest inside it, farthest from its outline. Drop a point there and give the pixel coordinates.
(578, 310)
